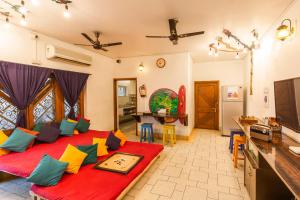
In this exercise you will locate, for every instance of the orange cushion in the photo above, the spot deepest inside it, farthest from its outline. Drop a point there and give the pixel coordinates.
(119, 134)
(76, 132)
(34, 133)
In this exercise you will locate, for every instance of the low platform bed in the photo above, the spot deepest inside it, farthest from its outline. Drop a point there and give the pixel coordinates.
(89, 183)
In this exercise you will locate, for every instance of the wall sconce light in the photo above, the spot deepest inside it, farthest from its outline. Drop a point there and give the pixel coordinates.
(284, 31)
(141, 67)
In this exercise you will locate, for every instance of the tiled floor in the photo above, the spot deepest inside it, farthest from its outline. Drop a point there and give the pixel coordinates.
(197, 169)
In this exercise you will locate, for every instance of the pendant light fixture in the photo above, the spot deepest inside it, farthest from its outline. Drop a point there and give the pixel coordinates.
(284, 31)
(67, 13)
(7, 24)
(141, 67)
(237, 55)
(23, 21)
(22, 9)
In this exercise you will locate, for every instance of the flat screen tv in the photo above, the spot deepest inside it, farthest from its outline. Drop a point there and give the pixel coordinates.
(287, 103)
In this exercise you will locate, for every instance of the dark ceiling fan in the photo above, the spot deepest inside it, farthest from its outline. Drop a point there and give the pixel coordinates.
(96, 43)
(174, 36)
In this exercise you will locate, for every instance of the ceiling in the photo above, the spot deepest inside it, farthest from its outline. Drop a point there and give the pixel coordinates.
(129, 21)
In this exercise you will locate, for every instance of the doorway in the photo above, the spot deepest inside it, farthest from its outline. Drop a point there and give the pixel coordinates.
(125, 104)
(207, 104)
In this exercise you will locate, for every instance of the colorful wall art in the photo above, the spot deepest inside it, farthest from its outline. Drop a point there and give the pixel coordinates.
(164, 99)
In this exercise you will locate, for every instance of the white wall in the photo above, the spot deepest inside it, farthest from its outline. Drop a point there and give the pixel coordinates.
(17, 45)
(172, 76)
(227, 72)
(275, 60)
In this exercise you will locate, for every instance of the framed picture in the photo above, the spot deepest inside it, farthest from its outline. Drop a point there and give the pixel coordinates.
(119, 162)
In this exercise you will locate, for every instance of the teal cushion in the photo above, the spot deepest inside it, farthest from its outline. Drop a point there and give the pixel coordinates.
(82, 126)
(18, 141)
(38, 127)
(48, 172)
(91, 150)
(67, 128)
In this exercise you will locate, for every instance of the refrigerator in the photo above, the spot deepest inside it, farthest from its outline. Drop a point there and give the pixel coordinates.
(232, 105)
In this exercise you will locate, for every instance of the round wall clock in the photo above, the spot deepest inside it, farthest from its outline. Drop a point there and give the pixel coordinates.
(161, 63)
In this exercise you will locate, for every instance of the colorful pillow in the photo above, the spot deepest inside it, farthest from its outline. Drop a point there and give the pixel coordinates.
(67, 128)
(102, 148)
(80, 117)
(82, 126)
(119, 134)
(18, 141)
(38, 127)
(76, 132)
(73, 121)
(48, 172)
(3, 138)
(74, 157)
(48, 134)
(112, 142)
(91, 150)
(34, 133)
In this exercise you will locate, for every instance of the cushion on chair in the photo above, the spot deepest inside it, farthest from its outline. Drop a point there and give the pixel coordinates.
(74, 157)
(18, 141)
(112, 142)
(91, 150)
(48, 172)
(3, 138)
(83, 126)
(119, 134)
(48, 134)
(67, 128)
(102, 148)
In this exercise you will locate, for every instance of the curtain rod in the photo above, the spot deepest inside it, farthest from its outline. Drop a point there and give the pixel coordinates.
(52, 69)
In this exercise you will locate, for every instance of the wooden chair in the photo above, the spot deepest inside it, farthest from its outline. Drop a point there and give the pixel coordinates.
(237, 141)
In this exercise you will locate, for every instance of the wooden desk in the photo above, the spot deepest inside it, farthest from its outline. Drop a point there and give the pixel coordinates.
(282, 163)
(162, 118)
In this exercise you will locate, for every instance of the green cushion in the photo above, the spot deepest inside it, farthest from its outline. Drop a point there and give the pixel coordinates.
(38, 127)
(82, 126)
(48, 172)
(18, 141)
(91, 150)
(67, 128)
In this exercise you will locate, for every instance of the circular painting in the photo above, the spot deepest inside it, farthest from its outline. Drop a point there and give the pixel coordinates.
(164, 99)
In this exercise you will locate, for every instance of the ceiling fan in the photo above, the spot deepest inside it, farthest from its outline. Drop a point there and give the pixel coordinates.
(96, 43)
(174, 36)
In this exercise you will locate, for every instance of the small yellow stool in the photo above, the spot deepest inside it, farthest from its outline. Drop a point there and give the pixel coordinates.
(169, 130)
(237, 140)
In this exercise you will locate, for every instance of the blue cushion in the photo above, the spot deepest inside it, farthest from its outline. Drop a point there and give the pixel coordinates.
(18, 141)
(48, 172)
(67, 128)
(112, 142)
(83, 126)
(91, 150)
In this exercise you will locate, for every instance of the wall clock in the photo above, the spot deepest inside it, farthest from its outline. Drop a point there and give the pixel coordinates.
(160, 63)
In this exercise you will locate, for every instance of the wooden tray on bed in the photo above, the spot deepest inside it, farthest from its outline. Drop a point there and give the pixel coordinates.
(119, 162)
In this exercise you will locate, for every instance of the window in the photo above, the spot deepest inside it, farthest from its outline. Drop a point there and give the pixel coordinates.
(8, 112)
(121, 91)
(44, 109)
(68, 108)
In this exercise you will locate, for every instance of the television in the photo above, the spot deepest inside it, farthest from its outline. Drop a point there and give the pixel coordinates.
(287, 103)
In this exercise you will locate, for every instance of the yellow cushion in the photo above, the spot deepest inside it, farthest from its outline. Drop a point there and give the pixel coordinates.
(119, 134)
(102, 148)
(74, 157)
(3, 138)
(73, 121)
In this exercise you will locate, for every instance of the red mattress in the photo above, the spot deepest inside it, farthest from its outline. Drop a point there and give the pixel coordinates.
(89, 183)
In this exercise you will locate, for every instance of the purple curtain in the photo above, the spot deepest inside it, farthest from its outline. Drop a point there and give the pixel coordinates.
(71, 84)
(22, 83)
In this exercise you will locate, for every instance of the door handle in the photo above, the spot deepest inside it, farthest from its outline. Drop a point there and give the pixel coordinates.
(214, 110)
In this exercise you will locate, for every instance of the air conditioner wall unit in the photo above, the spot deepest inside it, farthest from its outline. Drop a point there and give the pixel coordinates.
(58, 53)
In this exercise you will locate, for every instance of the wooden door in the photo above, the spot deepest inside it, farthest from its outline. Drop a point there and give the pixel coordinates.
(207, 104)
